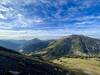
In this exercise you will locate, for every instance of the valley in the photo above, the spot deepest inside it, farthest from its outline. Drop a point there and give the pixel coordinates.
(49, 37)
(72, 55)
(13, 63)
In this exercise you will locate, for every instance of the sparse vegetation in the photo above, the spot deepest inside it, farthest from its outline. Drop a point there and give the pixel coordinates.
(90, 66)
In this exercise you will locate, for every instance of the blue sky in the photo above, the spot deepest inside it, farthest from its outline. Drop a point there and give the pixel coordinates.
(48, 19)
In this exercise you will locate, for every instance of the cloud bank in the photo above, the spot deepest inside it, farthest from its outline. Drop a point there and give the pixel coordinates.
(47, 19)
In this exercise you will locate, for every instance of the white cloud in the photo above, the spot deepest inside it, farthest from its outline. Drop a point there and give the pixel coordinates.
(20, 20)
(2, 17)
(30, 34)
(44, 34)
(15, 19)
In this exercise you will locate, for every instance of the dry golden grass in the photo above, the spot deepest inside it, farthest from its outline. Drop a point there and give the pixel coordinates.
(89, 66)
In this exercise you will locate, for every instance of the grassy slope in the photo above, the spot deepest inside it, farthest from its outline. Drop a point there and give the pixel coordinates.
(88, 66)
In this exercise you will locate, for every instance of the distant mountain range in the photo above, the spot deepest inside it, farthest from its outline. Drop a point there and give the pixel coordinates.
(13, 62)
(72, 45)
(12, 44)
(34, 45)
(9, 44)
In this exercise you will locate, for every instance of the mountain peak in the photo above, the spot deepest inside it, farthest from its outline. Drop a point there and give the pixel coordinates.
(74, 45)
(35, 40)
(76, 36)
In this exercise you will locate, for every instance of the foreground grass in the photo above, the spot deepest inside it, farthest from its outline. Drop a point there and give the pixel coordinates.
(89, 66)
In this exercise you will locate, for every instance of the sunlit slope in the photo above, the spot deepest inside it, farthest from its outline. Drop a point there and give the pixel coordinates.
(80, 66)
(74, 45)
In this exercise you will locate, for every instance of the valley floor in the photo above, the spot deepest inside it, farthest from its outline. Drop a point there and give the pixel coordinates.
(90, 66)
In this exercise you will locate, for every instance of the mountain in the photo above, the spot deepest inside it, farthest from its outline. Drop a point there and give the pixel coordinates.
(34, 45)
(12, 44)
(74, 45)
(20, 42)
(5, 51)
(9, 44)
(13, 63)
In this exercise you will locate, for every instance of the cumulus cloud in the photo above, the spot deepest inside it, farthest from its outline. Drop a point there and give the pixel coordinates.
(48, 17)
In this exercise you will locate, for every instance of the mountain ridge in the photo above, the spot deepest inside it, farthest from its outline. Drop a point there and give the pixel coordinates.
(78, 45)
(73, 45)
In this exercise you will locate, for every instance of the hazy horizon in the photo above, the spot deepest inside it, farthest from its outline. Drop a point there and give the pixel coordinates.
(46, 38)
